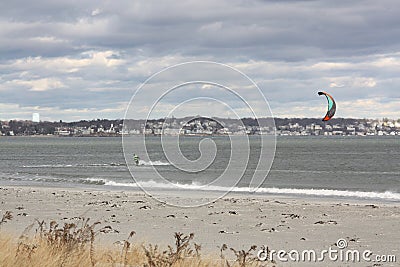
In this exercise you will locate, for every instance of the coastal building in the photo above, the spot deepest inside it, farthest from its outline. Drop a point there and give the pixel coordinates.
(35, 117)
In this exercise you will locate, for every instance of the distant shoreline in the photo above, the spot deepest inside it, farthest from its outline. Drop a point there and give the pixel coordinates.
(201, 126)
(197, 135)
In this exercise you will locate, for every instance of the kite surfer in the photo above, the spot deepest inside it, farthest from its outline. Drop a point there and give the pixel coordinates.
(136, 159)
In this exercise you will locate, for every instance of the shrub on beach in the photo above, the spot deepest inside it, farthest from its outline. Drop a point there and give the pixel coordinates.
(73, 244)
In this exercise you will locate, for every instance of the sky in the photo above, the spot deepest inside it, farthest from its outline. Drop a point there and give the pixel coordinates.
(74, 60)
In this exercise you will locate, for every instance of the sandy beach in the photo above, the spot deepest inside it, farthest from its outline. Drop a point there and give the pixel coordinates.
(281, 223)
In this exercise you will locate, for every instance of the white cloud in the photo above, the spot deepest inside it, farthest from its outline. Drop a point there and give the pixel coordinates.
(96, 12)
(102, 58)
(329, 66)
(67, 64)
(352, 82)
(370, 108)
(47, 39)
(335, 85)
(39, 85)
(207, 86)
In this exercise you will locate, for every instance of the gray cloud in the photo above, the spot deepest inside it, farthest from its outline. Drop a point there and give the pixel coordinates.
(71, 55)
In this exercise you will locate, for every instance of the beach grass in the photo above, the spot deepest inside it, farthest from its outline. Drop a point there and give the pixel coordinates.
(74, 244)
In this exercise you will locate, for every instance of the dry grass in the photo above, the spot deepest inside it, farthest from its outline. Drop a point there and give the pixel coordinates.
(73, 244)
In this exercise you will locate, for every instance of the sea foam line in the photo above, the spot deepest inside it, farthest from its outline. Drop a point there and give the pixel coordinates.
(112, 164)
(271, 190)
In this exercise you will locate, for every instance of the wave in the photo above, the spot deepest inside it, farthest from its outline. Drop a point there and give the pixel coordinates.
(49, 166)
(387, 195)
(272, 190)
(101, 164)
(112, 164)
(335, 171)
(74, 165)
(93, 181)
(46, 179)
(153, 163)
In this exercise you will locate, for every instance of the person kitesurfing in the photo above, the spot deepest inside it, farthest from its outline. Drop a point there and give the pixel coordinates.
(136, 159)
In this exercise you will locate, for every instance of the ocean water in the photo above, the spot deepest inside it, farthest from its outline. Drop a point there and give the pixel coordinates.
(339, 167)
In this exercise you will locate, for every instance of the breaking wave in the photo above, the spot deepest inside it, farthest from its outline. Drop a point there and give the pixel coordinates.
(112, 164)
(153, 163)
(392, 196)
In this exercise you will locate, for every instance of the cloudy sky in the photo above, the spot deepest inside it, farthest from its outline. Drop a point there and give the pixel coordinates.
(75, 60)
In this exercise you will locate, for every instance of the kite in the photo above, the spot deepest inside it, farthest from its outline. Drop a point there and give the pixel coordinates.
(331, 106)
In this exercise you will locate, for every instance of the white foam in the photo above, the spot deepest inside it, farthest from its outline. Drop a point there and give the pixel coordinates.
(112, 164)
(153, 163)
(48, 166)
(272, 190)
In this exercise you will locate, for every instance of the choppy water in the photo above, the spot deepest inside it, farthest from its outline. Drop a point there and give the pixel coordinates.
(347, 167)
